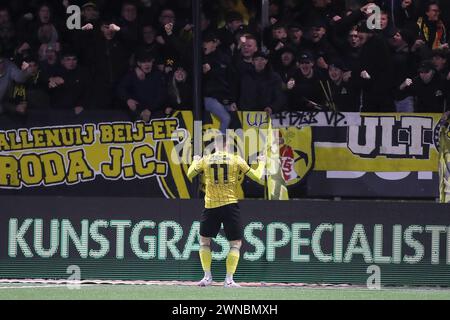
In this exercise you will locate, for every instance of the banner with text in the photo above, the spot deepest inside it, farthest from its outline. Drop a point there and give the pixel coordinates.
(123, 158)
(284, 241)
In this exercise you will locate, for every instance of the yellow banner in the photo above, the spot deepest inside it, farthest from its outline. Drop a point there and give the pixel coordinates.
(381, 143)
(163, 148)
(50, 156)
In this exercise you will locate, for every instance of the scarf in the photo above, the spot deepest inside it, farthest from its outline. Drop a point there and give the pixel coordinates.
(441, 35)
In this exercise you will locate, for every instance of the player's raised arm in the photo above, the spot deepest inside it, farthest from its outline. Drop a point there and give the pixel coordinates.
(196, 167)
(255, 175)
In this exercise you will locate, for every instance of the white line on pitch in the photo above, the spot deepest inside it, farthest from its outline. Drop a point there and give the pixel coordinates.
(43, 286)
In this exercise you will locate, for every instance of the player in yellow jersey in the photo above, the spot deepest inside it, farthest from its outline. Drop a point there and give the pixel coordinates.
(221, 170)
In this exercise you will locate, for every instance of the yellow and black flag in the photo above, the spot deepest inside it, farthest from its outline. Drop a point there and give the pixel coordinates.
(275, 184)
(444, 164)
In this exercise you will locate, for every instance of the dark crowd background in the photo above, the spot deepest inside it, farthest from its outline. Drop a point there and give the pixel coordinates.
(137, 56)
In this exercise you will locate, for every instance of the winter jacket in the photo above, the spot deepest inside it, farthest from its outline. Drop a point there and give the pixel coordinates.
(74, 92)
(430, 97)
(108, 60)
(378, 92)
(221, 81)
(260, 90)
(306, 91)
(150, 93)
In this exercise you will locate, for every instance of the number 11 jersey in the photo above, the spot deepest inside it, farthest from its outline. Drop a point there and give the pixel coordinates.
(221, 171)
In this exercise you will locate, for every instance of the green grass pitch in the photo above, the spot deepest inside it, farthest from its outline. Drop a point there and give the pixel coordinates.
(154, 292)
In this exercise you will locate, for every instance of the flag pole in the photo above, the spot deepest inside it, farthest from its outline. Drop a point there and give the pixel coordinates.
(197, 75)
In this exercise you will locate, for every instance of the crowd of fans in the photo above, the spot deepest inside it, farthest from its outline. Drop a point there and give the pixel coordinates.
(137, 56)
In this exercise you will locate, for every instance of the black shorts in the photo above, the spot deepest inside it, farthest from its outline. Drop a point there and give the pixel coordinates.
(229, 215)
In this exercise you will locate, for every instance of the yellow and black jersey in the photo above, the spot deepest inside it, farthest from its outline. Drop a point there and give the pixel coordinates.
(221, 172)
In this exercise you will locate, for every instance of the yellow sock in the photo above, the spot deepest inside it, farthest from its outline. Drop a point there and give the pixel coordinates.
(205, 258)
(232, 261)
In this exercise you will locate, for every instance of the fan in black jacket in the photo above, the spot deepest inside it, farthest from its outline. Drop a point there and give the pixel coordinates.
(427, 88)
(375, 72)
(261, 89)
(286, 65)
(341, 93)
(69, 87)
(405, 66)
(219, 82)
(304, 90)
(108, 60)
(144, 89)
